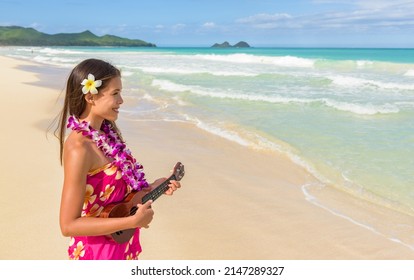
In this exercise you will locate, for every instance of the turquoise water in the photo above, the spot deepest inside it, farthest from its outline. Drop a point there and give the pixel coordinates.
(347, 115)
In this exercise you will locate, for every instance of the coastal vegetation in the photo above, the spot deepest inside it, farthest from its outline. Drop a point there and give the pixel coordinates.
(21, 36)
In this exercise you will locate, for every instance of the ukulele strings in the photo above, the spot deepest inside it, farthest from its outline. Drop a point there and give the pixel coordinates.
(156, 193)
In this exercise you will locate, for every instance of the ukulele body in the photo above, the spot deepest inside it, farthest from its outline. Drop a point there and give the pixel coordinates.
(125, 208)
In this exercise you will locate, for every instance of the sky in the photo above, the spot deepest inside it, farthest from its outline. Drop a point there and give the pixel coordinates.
(261, 23)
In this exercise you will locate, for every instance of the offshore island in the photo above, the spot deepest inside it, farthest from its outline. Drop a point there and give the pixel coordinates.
(21, 36)
(226, 44)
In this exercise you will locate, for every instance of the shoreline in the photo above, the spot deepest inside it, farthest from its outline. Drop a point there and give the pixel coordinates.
(236, 203)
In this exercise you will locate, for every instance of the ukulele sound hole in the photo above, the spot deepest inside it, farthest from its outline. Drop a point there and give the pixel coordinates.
(133, 210)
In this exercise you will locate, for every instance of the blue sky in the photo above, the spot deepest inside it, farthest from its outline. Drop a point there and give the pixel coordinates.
(290, 23)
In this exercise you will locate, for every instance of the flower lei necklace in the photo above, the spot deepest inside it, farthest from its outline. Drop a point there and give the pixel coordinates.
(113, 147)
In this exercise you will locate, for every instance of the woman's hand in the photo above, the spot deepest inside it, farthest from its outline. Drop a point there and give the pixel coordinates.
(144, 214)
(172, 186)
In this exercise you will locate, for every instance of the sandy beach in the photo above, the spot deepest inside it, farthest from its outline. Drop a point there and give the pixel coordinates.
(235, 203)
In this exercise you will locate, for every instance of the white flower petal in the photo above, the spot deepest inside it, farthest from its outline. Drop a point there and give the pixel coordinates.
(93, 90)
(85, 90)
(98, 83)
(84, 82)
(91, 77)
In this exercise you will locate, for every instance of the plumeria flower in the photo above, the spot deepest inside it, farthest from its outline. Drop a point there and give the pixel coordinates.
(90, 85)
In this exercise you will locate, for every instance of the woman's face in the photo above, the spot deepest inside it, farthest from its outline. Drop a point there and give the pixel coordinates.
(108, 101)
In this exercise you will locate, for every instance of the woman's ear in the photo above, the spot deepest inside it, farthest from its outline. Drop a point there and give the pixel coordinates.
(89, 98)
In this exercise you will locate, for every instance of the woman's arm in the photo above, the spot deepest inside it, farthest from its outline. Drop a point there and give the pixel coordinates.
(77, 162)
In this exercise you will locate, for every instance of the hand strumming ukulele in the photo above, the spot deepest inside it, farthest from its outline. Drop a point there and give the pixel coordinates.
(128, 206)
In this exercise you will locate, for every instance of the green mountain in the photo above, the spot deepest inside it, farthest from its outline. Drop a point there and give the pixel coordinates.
(20, 36)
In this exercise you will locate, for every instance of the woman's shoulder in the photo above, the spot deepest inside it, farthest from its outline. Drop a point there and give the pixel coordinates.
(81, 150)
(78, 144)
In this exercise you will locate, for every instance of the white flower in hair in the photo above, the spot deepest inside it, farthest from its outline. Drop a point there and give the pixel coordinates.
(90, 85)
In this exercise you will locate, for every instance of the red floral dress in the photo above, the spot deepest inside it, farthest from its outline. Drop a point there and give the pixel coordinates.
(103, 186)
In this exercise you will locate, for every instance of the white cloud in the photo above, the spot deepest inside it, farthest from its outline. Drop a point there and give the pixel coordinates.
(379, 4)
(265, 17)
(159, 28)
(36, 25)
(365, 4)
(209, 25)
(268, 21)
(396, 16)
(178, 26)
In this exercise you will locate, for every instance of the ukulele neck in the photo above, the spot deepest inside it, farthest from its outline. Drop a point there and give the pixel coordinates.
(158, 191)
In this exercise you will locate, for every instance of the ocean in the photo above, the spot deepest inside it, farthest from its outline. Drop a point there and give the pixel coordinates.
(346, 115)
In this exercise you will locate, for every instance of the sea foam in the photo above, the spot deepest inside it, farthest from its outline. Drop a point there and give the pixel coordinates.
(283, 61)
(359, 109)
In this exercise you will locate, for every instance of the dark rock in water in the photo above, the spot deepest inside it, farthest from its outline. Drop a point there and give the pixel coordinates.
(222, 45)
(241, 44)
(226, 44)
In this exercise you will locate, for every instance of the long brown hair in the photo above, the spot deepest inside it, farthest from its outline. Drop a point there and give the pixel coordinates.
(75, 103)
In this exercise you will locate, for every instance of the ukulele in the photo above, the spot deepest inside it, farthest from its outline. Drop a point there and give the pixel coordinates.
(128, 206)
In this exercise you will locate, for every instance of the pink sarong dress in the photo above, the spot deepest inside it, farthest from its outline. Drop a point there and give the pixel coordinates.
(103, 186)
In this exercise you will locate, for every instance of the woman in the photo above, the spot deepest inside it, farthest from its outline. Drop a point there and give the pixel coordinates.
(98, 168)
